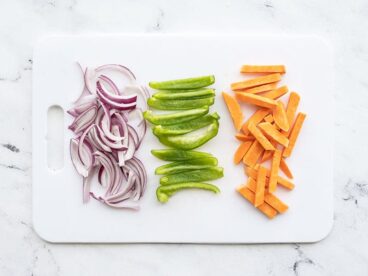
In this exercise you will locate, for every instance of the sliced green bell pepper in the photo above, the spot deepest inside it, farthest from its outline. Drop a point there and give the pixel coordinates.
(163, 193)
(190, 140)
(189, 83)
(179, 155)
(182, 166)
(174, 118)
(186, 127)
(186, 94)
(193, 176)
(179, 104)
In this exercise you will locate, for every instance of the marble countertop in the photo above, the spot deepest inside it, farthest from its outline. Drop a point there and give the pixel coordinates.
(344, 24)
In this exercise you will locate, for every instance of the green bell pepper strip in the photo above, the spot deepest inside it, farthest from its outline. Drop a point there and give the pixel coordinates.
(182, 166)
(179, 155)
(163, 193)
(189, 94)
(186, 127)
(190, 141)
(193, 176)
(179, 104)
(174, 118)
(190, 83)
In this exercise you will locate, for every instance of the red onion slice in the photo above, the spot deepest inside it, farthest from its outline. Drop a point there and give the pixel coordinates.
(84, 120)
(77, 162)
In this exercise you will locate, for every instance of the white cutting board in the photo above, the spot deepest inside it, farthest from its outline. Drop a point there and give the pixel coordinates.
(190, 216)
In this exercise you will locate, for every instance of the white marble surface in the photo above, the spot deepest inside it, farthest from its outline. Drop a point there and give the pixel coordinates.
(344, 23)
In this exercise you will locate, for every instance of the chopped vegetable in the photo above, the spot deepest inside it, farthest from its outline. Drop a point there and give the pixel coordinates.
(256, 100)
(174, 118)
(263, 69)
(253, 154)
(274, 134)
(180, 104)
(291, 108)
(285, 168)
(257, 117)
(193, 176)
(179, 155)
(279, 115)
(294, 134)
(181, 166)
(260, 89)
(260, 187)
(256, 82)
(243, 138)
(269, 118)
(184, 94)
(163, 193)
(241, 151)
(277, 93)
(234, 109)
(186, 127)
(274, 171)
(266, 144)
(189, 83)
(280, 180)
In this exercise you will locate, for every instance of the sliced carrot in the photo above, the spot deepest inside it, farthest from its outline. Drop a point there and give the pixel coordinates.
(253, 154)
(269, 198)
(256, 100)
(274, 134)
(234, 109)
(267, 155)
(266, 144)
(269, 118)
(243, 138)
(285, 168)
(277, 93)
(260, 188)
(265, 208)
(255, 118)
(260, 89)
(263, 69)
(241, 151)
(291, 108)
(274, 170)
(279, 114)
(294, 133)
(256, 81)
(280, 180)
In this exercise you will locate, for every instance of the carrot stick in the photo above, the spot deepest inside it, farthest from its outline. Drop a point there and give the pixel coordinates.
(256, 100)
(291, 108)
(266, 144)
(241, 151)
(285, 169)
(260, 188)
(280, 180)
(267, 155)
(234, 109)
(274, 134)
(269, 198)
(263, 69)
(256, 81)
(269, 118)
(277, 93)
(274, 171)
(280, 117)
(253, 154)
(255, 118)
(243, 138)
(294, 133)
(260, 89)
(264, 208)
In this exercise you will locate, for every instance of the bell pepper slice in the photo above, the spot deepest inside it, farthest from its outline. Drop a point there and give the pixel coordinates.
(184, 94)
(179, 104)
(182, 166)
(179, 155)
(193, 176)
(174, 118)
(188, 83)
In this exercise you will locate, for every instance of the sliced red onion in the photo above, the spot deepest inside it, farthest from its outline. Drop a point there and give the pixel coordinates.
(84, 120)
(82, 169)
(119, 68)
(127, 105)
(90, 77)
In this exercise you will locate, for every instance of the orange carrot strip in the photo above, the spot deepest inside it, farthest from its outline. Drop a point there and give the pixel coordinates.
(294, 133)
(234, 109)
(256, 81)
(260, 188)
(253, 154)
(269, 118)
(277, 93)
(255, 118)
(241, 151)
(291, 108)
(285, 168)
(280, 117)
(280, 180)
(266, 144)
(269, 198)
(243, 138)
(264, 208)
(274, 170)
(267, 155)
(260, 89)
(256, 100)
(263, 69)
(274, 134)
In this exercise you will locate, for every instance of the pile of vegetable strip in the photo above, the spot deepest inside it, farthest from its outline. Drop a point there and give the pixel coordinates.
(109, 128)
(269, 134)
(189, 126)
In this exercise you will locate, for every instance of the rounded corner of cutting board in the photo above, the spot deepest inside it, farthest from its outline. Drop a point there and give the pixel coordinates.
(43, 233)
